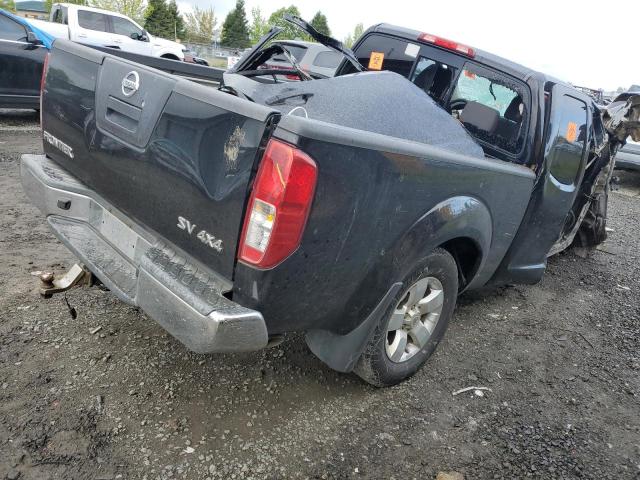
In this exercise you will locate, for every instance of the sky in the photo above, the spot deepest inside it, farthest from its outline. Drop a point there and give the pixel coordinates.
(585, 43)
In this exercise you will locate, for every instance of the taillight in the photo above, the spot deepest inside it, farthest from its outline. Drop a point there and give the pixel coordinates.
(279, 205)
(448, 44)
(45, 67)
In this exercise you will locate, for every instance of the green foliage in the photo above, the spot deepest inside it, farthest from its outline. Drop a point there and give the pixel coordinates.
(259, 26)
(352, 37)
(178, 21)
(235, 29)
(164, 20)
(319, 22)
(134, 9)
(199, 25)
(289, 32)
(8, 5)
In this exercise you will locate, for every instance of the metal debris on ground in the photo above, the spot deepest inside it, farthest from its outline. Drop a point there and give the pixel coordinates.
(475, 389)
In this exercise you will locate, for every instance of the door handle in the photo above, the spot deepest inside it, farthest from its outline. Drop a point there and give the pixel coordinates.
(82, 35)
(115, 40)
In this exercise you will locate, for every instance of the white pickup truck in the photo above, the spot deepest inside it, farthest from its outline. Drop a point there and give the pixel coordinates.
(102, 28)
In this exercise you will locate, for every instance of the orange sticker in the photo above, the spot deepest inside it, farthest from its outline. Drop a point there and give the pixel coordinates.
(469, 74)
(375, 60)
(572, 132)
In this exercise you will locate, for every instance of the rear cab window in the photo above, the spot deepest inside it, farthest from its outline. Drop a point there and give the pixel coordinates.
(327, 59)
(60, 15)
(493, 106)
(383, 52)
(296, 51)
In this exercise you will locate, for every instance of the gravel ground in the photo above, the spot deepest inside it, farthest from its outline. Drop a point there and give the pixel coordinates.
(561, 360)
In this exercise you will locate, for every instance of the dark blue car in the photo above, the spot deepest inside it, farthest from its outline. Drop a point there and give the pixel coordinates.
(23, 49)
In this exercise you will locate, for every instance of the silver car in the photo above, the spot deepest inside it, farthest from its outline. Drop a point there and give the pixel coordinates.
(628, 157)
(314, 58)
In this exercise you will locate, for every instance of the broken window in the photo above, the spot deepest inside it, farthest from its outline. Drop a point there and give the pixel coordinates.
(492, 107)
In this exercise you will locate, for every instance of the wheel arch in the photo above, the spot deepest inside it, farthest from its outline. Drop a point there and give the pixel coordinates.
(170, 56)
(461, 225)
(467, 255)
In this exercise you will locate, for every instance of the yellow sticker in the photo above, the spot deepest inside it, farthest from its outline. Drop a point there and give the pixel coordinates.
(375, 61)
(572, 132)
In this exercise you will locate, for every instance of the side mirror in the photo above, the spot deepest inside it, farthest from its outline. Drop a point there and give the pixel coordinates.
(33, 39)
(135, 36)
(144, 37)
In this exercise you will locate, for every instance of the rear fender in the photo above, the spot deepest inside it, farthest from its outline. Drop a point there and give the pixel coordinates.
(456, 217)
(453, 218)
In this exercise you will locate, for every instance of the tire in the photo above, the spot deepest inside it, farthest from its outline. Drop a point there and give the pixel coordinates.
(593, 229)
(384, 361)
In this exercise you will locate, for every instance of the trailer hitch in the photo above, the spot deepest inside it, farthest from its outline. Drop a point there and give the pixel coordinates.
(49, 284)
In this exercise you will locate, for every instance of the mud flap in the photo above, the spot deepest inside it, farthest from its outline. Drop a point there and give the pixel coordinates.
(341, 352)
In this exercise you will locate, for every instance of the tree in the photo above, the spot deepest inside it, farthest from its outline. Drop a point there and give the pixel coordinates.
(178, 21)
(235, 29)
(259, 26)
(164, 20)
(131, 8)
(8, 5)
(352, 37)
(319, 22)
(157, 20)
(200, 25)
(289, 31)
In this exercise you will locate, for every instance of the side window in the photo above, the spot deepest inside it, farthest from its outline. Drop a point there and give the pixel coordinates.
(569, 138)
(10, 30)
(122, 26)
(92, 20)
(492, 107)
(380, 52)
(433, 77)
(327, 59)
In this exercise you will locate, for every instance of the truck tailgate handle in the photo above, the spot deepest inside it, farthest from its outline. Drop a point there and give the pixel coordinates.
(130, 117)
(122, 114)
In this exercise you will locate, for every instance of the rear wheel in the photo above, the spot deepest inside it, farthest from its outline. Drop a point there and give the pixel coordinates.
(412, 327)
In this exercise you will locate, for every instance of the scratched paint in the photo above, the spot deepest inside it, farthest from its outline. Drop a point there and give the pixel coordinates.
(232, 148)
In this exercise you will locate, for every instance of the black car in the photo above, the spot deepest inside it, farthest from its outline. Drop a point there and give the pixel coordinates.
(22, 55)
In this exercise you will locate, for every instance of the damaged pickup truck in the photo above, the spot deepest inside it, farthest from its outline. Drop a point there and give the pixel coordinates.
(354, 209)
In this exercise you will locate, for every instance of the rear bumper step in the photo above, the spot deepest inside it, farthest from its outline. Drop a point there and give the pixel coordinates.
(184, 298)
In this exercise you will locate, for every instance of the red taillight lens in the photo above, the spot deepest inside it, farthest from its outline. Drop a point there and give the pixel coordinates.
(45, 67)
(448, 44)
(279, 205)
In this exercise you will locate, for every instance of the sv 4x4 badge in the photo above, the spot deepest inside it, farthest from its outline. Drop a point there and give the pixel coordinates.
(204, 236)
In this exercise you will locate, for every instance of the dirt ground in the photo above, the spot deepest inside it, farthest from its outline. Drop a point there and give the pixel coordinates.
(561, 359)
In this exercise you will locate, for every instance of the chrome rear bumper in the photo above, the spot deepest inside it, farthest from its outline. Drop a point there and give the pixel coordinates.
(184, 298)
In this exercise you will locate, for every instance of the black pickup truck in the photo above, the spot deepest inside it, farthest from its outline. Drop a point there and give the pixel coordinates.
(354, 208)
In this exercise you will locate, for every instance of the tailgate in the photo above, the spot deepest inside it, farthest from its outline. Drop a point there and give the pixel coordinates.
(174, 156)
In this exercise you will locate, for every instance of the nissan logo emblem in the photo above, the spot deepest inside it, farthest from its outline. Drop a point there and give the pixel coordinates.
(130, 83)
